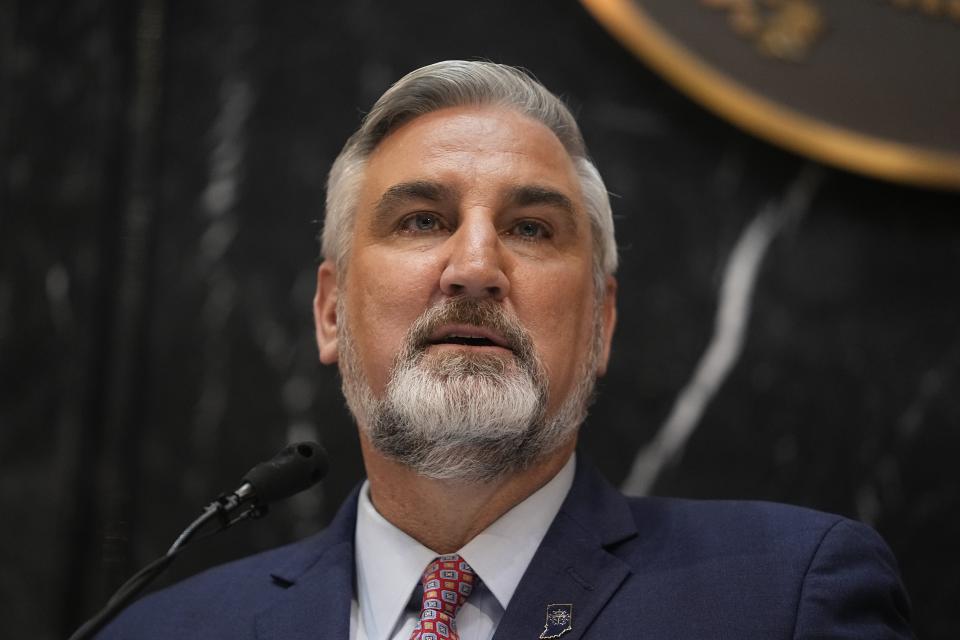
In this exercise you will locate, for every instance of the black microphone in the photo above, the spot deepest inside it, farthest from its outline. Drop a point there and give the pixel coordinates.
(295, 468)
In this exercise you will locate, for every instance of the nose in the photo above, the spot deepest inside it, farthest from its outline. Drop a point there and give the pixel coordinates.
(475, 265)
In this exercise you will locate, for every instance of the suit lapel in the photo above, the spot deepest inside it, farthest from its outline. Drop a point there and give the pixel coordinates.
(572, 567)
(314, 585)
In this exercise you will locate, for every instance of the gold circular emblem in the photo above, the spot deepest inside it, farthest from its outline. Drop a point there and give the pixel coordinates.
(871, 86)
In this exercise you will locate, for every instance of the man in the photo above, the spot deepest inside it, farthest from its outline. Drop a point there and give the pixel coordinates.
(467, 295)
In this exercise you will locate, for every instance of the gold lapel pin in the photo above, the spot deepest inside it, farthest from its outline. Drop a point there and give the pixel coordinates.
(559, 621)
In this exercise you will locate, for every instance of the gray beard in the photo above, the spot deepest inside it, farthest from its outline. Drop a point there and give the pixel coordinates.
(463, 416)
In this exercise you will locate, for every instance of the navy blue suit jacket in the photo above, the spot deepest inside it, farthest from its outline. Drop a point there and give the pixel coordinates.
(630, 568)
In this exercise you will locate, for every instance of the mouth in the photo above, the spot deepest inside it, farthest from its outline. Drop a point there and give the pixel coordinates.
(468, 336)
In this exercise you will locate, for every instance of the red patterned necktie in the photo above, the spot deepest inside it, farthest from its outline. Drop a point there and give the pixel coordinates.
(447, 582)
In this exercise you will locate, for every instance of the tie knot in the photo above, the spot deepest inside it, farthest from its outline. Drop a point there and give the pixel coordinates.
(447, 581)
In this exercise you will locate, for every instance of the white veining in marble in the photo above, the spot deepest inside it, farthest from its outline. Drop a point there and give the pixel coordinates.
(730, 326)
(218, 202)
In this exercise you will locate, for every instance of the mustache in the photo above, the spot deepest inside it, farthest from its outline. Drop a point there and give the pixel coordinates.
(483, 313)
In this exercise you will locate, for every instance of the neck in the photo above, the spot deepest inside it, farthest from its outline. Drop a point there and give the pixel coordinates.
(460, 509)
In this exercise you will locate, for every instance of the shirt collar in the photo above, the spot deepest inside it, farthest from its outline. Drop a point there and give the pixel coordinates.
(501, 553)
(389, 566)
(390, 563)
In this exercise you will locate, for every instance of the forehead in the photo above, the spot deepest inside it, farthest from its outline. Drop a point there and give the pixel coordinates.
(478, 149)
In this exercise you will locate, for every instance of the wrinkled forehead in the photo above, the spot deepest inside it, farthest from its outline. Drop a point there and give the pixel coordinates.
(488, 150)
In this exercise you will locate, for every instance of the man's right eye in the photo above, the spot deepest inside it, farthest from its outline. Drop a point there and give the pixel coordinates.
(420, 222)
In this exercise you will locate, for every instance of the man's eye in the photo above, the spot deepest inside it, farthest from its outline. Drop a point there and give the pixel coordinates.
(530, 230)
(421, 222)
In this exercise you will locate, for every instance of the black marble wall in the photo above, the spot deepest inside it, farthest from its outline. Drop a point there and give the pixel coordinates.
(162, 174)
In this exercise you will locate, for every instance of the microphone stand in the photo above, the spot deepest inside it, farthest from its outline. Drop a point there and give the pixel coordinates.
(295, 468)
(219, 510)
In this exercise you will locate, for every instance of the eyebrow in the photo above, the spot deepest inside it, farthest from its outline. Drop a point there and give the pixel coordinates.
(533, 195)
(415, 190)
(426, 190)
(404, 193)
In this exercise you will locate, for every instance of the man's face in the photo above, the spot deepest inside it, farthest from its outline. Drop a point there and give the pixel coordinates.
(470, 202)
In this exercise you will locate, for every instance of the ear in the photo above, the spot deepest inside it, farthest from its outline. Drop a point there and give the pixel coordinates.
(609, 318)
(325, 312)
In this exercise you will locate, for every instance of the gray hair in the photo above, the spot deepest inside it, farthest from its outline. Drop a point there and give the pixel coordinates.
(455, 83)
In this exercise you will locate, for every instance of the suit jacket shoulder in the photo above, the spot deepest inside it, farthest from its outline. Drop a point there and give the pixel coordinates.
(288, 592)
(656, 567)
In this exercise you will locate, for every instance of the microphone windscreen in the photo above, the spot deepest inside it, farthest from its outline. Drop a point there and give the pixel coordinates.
(298, 466)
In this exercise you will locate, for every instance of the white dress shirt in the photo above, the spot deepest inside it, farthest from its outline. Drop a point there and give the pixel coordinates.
(390, 564)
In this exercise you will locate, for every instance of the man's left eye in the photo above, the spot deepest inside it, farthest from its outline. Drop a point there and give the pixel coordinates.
(530, 230)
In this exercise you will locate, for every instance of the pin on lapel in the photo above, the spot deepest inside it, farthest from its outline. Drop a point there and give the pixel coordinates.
(559, 621)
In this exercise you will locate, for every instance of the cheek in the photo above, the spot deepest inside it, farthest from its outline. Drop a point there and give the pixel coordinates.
(385, 295)
(558, 312)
